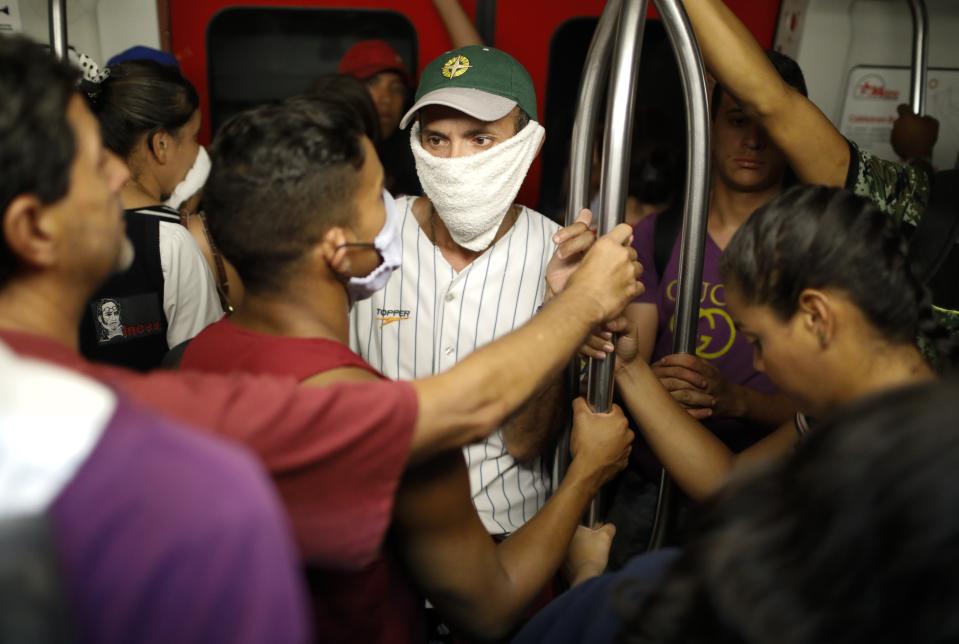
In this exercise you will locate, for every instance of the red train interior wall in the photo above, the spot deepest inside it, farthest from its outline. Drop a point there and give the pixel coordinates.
(523, 27)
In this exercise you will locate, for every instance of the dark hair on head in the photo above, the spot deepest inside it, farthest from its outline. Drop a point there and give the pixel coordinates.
(354, 92)
(788, 69)
(282, 174)
(522, 119)
(854, 538)
(818, 237)
(37, 143)
(140, 98)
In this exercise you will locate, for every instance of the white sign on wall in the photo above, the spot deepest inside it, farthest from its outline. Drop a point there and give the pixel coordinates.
(869, 109)
(10, 22)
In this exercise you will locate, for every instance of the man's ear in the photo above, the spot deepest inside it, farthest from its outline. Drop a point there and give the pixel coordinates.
(818, 315)
(30, 231)
(331, 250)
(159, 145)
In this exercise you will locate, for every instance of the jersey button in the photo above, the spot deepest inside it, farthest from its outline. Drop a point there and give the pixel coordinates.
(448, 351)
(450, 297)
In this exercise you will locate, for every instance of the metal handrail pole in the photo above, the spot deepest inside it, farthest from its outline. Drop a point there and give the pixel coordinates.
(920, 56)
(591, 92)
(614, 178)
(695, 212)
(58, 27)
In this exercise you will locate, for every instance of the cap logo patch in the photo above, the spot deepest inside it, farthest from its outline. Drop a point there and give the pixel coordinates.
(456, 66)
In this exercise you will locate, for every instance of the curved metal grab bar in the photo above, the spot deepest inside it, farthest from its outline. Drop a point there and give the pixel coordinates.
(595, 74)
(614, 178)
(693, 244)
(58, 27)
(920, 56)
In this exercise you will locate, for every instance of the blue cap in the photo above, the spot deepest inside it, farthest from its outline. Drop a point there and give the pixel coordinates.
(139, 52)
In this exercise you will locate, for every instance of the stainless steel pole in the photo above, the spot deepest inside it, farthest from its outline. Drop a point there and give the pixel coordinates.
(614, 180)
(693, 244)
(591, 92)
(920, 55)
(58, 27)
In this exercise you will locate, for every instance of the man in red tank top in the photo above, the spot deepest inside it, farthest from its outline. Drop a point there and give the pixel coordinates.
(300, 237)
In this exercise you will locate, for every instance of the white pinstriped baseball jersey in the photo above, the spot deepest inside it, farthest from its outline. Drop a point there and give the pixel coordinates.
(429, 317)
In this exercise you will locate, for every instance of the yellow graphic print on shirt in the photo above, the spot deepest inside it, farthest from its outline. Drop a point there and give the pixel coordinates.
(712, 309)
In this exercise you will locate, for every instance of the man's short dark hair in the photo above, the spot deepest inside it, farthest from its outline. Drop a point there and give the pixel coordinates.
(789, 70)
(37, 144)
(282, 175)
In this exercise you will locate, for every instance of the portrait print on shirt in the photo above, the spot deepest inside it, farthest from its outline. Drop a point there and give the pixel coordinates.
(126, 318)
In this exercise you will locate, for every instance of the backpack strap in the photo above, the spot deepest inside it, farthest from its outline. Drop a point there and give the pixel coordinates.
(665, 231)
(935, 236)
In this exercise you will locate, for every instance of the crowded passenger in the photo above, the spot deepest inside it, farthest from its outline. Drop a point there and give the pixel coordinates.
(390, 83)
(474, 264)
(63, 236)
(149, 115)
(817, 152)
(849, 539)
(719, 384)
(301, 271)
(819, 282)
(155, 533)
(186, 199)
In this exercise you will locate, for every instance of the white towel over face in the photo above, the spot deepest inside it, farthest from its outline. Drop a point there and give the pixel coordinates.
(472, 194)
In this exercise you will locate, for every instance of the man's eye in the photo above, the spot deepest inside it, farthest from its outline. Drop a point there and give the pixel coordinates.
(434, 140)
(483, 140)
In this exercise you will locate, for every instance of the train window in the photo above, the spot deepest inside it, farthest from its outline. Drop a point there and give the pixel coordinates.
(659, 103)
(260, 54)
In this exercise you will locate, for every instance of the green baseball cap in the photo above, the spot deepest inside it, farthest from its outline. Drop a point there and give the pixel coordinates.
(482, 82)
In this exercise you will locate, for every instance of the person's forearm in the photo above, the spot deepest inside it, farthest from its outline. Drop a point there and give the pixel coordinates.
(734, 57)
(533, 554)
(697, 460)
(458, 25)
(473, 398)
(771, 410)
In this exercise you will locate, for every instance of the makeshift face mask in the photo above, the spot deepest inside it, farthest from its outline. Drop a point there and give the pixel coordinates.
(193, 181)
(473, 194)
(389, 246)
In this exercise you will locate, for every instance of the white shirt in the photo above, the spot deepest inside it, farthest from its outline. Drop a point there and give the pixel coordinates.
(190, 302)
(429, 317)
(43, 444)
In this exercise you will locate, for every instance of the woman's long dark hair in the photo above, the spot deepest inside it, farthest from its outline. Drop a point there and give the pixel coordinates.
(139, 98)
(817, 237)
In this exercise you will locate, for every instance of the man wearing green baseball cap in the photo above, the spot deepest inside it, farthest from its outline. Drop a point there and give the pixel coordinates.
(474, 264)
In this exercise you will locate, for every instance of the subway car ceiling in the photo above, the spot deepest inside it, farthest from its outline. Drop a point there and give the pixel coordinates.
(855, 54)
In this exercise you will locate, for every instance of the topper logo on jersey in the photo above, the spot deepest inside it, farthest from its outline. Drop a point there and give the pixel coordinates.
(873, 87)
(389, 316)
(456, 67)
